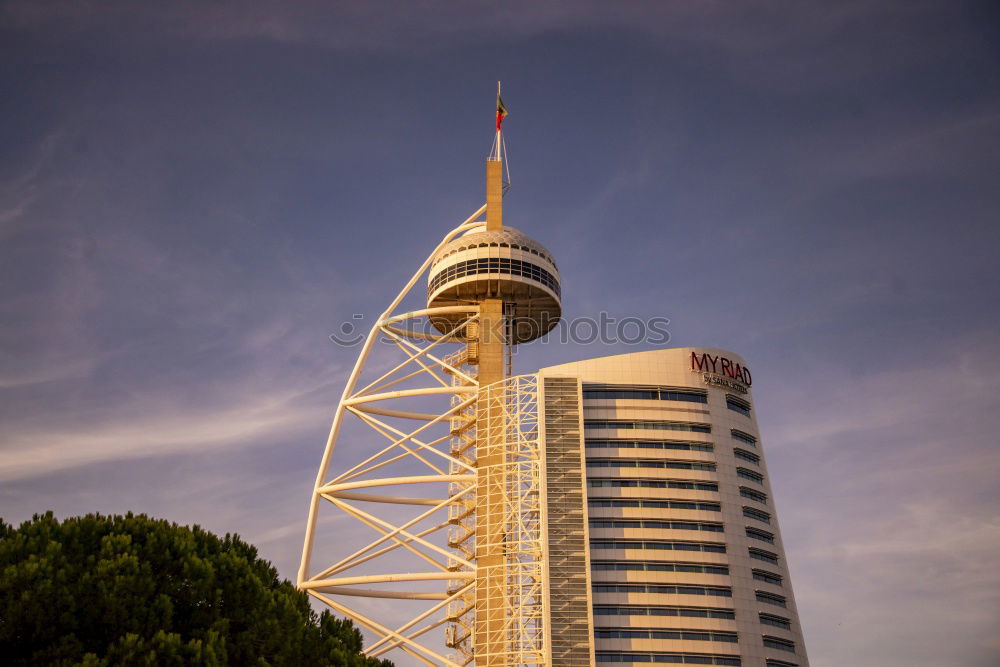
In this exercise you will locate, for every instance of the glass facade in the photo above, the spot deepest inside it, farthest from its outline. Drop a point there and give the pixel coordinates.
(497, 265)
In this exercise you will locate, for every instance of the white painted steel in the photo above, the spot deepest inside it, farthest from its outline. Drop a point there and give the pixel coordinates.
(449, 475)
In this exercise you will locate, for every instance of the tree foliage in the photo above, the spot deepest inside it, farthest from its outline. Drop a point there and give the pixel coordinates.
(110, 590)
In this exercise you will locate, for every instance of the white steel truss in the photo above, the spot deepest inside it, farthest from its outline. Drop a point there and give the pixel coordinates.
(416, 492)
(426, 453)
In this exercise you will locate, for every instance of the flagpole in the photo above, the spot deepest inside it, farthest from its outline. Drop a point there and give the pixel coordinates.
(498, 127)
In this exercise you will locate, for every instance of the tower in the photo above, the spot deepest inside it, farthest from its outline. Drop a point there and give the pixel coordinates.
(571, 516)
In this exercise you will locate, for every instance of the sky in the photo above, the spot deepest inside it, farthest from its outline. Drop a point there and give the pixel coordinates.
(194, 196)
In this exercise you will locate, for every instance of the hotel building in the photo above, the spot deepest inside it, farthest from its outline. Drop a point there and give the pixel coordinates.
(686, 559)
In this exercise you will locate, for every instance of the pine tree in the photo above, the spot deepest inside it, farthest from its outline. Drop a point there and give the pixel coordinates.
(111, 590)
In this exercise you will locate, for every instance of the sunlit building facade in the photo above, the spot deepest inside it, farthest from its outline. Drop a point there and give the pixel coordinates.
(686, 558)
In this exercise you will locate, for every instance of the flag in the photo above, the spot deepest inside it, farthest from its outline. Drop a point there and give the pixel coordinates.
(501, 111)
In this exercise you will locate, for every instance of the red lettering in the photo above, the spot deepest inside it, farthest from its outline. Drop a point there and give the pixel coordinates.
(727, 367)
(713, 360)
(746, 376)
(697, 365)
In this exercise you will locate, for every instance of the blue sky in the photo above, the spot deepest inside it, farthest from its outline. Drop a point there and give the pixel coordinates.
(194, 196)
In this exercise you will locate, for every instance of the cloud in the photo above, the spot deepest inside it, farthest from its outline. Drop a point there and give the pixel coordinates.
(20, 190)
(26, 377)
(915, 574)
(248, 418)
(959, 378)
(762, 29)
(894, 547)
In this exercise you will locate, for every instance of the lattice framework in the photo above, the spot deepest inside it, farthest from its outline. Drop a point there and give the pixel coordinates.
(424, 552)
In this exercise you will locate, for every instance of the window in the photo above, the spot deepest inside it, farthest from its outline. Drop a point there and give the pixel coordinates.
(776, 621)
(780, 644)
(768, 577)
(771, 662)
(753, 494)
(659, 610)
(647, 424)
(754, 513)
(656, 633)
(651, 444)
(632, 657)
(649, 463)
(652, 484)
(746, 456)
(758, 534)
(658, 545)
(480, 265)
(771, 598)
(743, 437)
(655, 566)
(737, 404)
(750, 474)
(661, 588)
(765, 556)
(657, 504)
(656, 523)
(644, 393)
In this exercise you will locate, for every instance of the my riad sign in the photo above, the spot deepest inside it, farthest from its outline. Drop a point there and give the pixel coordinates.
(721, 372)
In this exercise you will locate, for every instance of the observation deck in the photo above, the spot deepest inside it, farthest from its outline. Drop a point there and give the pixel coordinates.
(504, 264)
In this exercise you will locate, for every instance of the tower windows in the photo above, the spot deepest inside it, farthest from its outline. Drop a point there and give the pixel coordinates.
(743, 437)
(652, 484)
(493, 265)
(754, 513)
(662, 588)
(765, 556)
(649, 463)
(647, 424)
(762, 535)
(661, 610)
(658, 545)
(632, 657)
(750, 474)
(650, 444)
(753, 494)
(767, 577)
(771, 598)
(746, 456)
(655, 504)
(738, 405)
(776, 621)
(657, 633)
(656, 524)
(655, 566)
(778, 643)
(643, 393)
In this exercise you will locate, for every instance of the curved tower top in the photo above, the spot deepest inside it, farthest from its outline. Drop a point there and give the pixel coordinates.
(499, 263)
(505, 265)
